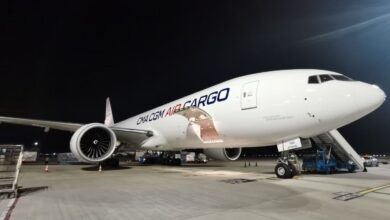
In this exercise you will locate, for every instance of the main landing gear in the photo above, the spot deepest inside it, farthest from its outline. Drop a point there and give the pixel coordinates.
(287, 166)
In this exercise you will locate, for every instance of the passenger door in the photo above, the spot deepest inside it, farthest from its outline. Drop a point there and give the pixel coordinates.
(249, 95)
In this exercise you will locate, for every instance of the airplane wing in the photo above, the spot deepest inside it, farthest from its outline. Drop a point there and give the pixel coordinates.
(65, 126)
(133, 137)
(130, 136)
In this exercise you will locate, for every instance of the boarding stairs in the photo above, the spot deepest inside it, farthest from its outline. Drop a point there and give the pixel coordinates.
(11, 157)
(340, 148)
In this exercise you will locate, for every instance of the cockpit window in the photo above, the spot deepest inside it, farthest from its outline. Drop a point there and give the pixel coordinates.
(313, 79)
(325, 78)
(341, 78)
(316, 79)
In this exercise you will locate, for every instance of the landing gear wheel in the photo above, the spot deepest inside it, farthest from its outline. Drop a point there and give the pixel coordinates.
(294, 170)
(283, 171)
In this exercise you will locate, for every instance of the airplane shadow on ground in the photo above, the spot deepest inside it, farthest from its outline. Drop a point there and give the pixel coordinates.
(105, 168)
(200, 165)
(268, 172)
(25, 191)
(182, 165)
(324, 173)
(313, 173)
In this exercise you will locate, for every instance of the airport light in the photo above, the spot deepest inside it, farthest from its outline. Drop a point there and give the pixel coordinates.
(36, 143)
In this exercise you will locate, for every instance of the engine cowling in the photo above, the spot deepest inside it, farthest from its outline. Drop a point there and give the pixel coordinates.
(93, 143)
(223, 153)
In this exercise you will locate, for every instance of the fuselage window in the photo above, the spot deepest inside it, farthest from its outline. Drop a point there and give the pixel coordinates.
(341, 78)
(325, 78)
(313, 80)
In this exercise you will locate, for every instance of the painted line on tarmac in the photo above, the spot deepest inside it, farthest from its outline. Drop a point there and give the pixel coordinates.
(6, 215)
(382, 193)
(348, 196)
(374, 189)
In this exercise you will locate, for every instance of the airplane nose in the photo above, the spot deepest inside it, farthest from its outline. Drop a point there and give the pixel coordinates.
(379, 95)
(368, 97)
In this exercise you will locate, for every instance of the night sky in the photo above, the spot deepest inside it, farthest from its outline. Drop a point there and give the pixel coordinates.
(60, 60)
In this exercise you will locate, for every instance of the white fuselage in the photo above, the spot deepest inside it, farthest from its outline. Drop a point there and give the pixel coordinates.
(262, 109)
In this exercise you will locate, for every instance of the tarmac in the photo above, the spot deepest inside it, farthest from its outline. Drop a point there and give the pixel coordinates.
(216, 190)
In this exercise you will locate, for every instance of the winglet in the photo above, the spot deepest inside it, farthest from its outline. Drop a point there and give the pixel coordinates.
(109, 121)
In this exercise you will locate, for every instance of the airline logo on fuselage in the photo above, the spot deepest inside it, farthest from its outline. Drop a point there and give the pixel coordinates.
(209, 99)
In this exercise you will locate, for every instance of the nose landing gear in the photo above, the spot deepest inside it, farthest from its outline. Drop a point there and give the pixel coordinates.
(287, 166)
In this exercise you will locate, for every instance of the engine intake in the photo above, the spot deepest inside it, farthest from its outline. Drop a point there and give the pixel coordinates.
(93, 143)
(223, 153)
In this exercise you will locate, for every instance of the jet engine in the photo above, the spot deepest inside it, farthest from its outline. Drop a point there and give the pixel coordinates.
(223, 153)
(93, 143)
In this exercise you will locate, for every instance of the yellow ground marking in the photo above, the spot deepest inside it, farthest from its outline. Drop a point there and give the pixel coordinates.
(374, 189)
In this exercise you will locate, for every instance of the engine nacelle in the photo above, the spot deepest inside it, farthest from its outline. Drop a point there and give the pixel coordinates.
(223, 153)
(93, 143)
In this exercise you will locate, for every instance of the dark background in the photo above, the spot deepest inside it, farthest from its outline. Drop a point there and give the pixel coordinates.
(60, 60)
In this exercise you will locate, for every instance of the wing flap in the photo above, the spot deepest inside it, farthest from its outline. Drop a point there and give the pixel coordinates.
(132, 137)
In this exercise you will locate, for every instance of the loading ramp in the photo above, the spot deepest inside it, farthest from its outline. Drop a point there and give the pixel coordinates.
(11, 157)
(341, 149)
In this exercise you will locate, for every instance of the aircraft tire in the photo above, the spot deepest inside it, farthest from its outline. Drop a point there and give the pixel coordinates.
(294, 170)
(283, 171)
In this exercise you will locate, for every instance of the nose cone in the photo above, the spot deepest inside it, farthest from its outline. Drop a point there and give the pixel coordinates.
(377, 96)
(339, 103)
(368, 98)
(359, 99)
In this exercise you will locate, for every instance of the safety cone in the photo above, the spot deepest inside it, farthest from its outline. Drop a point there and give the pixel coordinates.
(100, 168)
(47, 168)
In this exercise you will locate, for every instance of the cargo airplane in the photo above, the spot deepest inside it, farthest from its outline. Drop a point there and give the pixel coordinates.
(271, 108)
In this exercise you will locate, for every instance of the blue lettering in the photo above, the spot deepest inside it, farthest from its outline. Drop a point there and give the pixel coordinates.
(212, 98)
(194, 102)
(161, 113)
(185, 103)
(223, 94)
(202, 100)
